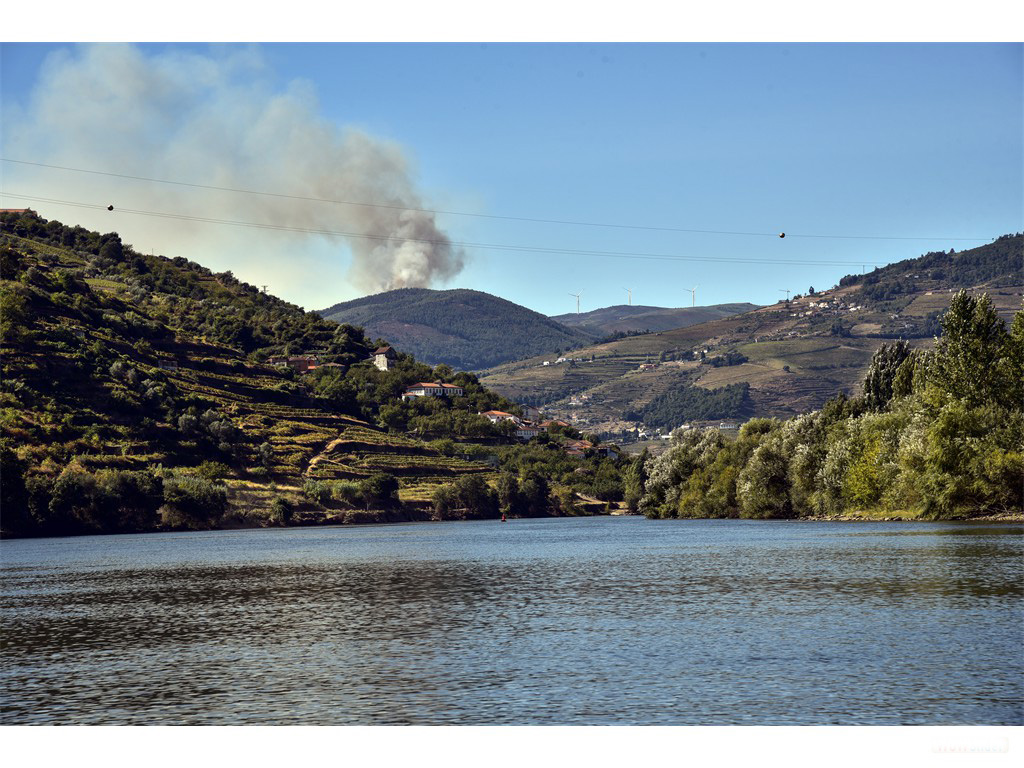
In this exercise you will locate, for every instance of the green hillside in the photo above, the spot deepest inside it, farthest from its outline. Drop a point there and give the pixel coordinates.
(793, 356)
(468, 330)
(137, 394)
(624, 318)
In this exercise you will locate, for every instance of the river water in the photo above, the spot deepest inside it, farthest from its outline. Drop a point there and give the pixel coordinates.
(555, 621)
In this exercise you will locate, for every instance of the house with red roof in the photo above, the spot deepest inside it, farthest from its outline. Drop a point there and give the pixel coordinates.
(432, 389)
(495, 416)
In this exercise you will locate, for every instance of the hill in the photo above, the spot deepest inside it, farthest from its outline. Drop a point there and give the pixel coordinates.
(468, 330)
(624, 319)
(787, 359)
(142, 393)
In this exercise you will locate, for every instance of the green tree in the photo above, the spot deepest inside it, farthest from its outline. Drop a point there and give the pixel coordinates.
(475, 497)
(380, 489)
(444, 501)
(634, 480)
(510, 498)
(879, 383)
(971, 359)
(536, 492)
(281, 511)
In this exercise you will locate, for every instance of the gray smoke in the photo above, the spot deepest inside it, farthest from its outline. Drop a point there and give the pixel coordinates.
(218, 120)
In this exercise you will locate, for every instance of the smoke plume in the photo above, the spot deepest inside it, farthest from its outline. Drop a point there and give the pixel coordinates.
(218, 120)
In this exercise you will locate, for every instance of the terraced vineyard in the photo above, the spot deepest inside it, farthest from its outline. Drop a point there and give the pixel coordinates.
(359, 451)
(799, 353)
(122, 368)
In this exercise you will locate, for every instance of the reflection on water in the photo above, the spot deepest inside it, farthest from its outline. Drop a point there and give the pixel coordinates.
(571, 621)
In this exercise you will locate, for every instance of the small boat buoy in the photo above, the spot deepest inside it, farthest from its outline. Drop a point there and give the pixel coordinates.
(503, 518)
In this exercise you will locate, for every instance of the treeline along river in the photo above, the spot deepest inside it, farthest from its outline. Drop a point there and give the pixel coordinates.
(550, 621)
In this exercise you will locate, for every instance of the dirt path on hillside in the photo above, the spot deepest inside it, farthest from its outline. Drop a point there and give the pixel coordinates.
(322, 455)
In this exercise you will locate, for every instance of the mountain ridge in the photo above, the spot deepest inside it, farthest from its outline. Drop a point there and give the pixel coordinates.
(631, 318)
(460, 327)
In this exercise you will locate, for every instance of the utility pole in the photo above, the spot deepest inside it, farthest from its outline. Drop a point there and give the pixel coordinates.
(264, 288)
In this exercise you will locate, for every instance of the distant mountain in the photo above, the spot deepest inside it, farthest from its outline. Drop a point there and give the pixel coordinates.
(623, 318)
(468, 330)
(789, 358)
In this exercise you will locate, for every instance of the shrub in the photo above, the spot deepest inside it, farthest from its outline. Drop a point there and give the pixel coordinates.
(317, 492)
(192, 502)
(281, 511)
(347, 492)
(380, 489)
(213, 470)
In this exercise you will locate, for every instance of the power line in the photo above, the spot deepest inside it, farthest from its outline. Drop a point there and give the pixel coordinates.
(460, 244)
(567, 222)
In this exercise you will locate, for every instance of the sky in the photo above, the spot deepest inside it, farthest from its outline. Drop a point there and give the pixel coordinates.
(530, 171)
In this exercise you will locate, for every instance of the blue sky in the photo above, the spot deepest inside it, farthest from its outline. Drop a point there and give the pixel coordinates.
(921, 143)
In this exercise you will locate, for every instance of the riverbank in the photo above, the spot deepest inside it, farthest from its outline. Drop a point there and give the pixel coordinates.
(306, 516)
(1007, 517)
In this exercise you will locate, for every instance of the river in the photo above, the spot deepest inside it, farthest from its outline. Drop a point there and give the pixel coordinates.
(555, 621)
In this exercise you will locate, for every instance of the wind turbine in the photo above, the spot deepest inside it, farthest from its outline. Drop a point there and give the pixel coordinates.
(630, 295)
(693, 295)
(577, 295)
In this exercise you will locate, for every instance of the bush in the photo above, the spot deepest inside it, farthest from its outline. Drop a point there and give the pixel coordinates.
(281, 511)
(347, 492)
(380, 489)
(213, 470)
(445, 500)
(192, 502)
(317, 492)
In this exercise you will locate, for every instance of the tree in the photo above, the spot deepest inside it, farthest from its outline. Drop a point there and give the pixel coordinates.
(974, 358)
(281, 511)
(476, 497)
(634, 480)
(881, 376)
(535, 491)
(380, 488)
(762, 487)
(111, 248)
(444, 500)
(14, 314)
(510, 498)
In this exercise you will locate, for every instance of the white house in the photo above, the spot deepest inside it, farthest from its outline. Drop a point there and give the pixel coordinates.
(432, 389)
(527, 431)
(495, 416)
